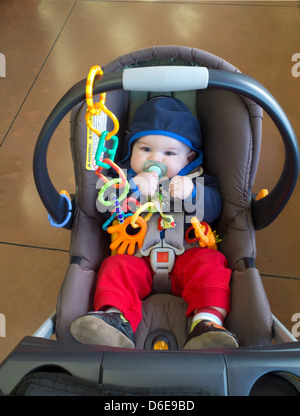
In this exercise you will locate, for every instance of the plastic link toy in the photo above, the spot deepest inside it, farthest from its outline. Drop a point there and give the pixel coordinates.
(101, 149)
(124, 231)
(95, 109)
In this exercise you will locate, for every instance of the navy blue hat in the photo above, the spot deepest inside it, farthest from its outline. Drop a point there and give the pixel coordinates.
(169, 117)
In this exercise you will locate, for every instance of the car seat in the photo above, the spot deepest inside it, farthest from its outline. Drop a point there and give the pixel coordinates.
(231, 126)
(229, 106)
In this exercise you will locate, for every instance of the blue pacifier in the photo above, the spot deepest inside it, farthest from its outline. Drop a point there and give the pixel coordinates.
(151, 166)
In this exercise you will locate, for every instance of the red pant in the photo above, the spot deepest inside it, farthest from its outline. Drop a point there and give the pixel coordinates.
(200, 275)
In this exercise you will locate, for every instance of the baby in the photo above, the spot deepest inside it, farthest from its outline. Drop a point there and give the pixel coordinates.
(165, 132)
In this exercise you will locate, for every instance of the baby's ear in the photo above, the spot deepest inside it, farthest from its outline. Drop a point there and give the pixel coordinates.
(191, 156)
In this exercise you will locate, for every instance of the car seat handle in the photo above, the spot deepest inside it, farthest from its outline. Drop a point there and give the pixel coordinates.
(264, 210)
(165, 78)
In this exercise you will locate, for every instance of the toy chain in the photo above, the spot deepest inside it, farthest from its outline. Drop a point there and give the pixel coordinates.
(121, 239)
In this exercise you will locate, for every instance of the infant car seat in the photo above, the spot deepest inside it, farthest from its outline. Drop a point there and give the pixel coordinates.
(231, 127)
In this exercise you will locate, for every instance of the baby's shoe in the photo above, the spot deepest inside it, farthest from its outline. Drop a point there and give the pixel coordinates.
(207, 334)
(103, 328)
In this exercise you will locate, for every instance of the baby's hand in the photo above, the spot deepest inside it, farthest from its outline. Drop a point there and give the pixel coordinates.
(181, 187)
(147, 182)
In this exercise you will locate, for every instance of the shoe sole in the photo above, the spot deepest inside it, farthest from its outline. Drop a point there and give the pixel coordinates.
(92, 330)
(211, 340)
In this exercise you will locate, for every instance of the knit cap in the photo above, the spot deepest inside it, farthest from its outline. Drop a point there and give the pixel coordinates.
(170, 117)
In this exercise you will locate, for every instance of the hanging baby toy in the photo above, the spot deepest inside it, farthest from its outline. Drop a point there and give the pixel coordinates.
(121, 218)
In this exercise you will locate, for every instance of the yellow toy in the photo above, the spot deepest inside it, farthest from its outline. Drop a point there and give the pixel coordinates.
(153, 206)
(204, 235)
(95, 109)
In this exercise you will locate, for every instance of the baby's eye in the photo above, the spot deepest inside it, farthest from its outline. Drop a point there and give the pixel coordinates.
(169, 153)
(145, 149)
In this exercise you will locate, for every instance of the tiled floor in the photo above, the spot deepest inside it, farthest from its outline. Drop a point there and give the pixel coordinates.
(48, 46)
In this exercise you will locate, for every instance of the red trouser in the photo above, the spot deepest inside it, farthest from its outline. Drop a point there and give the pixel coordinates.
(200, 275)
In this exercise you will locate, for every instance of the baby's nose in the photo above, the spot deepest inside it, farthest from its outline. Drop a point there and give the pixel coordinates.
(157, 157)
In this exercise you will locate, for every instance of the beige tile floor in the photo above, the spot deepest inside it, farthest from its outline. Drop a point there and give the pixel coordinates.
(48, 46)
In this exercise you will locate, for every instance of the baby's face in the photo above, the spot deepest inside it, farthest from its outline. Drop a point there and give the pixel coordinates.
(163, 149)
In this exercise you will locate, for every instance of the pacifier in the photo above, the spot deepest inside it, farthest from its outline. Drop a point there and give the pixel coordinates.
(151, 166)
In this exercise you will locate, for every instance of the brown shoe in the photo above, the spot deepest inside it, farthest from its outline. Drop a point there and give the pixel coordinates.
(207, 334)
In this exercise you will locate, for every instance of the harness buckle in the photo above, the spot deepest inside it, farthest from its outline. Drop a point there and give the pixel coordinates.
(162, 261)
(162, 258)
